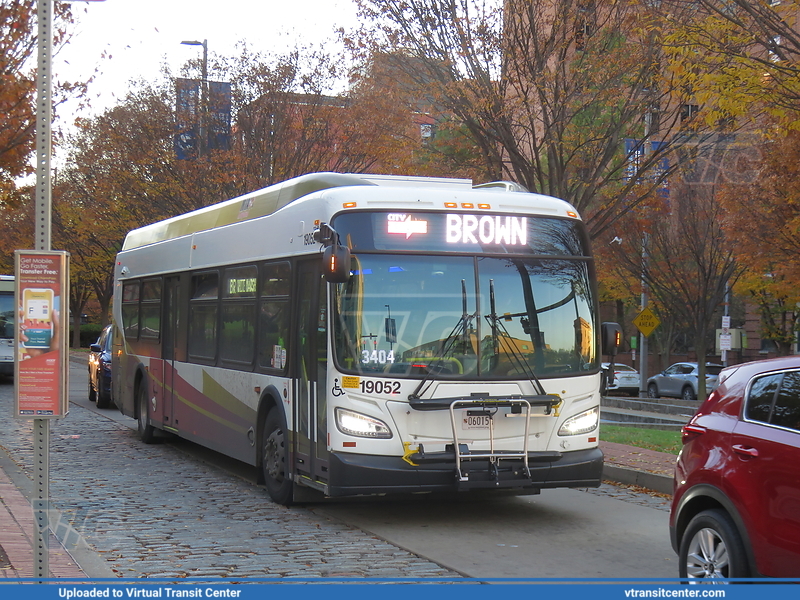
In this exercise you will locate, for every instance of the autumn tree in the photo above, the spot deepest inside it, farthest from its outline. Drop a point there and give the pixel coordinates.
(688, 262)
(762, 221)
(18, 50)
(742, 59)
(412, 134)
(124, 171)
(288, 122)
(548, 91)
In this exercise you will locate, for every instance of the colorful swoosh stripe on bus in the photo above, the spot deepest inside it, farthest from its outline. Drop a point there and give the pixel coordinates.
(213, 401)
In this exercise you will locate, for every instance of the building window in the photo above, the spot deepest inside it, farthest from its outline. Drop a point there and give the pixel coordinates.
(689, 112)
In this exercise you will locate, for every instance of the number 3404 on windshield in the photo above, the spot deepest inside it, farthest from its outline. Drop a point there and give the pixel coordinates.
(377, 357)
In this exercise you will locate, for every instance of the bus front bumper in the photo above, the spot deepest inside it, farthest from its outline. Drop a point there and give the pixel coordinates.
(358, 474)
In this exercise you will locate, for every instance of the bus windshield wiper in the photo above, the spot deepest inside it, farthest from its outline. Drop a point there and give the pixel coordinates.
(501, 337)
(460, 331)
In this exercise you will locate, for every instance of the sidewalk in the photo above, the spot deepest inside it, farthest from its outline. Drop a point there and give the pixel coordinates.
(636, 466)
(16, 539)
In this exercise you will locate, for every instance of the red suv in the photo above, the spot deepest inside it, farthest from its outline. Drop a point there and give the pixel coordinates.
(736, 507)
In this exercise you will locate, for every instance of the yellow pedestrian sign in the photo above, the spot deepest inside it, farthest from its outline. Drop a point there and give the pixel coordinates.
(646, 321)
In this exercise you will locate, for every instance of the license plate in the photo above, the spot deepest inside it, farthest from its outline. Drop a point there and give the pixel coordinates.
(475, 422)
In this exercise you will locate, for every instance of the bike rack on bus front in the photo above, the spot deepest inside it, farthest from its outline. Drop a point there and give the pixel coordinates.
(488, 406)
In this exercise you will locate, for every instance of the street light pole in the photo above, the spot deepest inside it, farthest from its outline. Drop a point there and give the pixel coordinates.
(203, 143)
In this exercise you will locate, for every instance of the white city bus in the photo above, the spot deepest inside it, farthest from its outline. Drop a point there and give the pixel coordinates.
(7, 321)
(364, 334)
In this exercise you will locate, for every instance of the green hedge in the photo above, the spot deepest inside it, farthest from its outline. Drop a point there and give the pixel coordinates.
(89, 334)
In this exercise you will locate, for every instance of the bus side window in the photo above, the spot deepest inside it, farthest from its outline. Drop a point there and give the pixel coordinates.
(274, 325)
(130, 309)
(237, 339)
(274, 309)
(203, 311)
(150, 315)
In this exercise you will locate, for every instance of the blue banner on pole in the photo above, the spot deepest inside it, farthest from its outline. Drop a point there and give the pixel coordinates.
(202, 126)
(187, 121)
(219, 115)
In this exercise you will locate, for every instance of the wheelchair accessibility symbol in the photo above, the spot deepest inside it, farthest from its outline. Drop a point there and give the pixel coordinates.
(336, 390)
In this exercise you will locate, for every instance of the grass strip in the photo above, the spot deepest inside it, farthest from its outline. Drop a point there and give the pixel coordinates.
(651, 439)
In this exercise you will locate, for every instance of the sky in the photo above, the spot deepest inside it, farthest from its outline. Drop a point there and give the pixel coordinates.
(130, 39)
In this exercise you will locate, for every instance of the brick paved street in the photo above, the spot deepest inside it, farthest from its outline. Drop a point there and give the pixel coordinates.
(153, 511)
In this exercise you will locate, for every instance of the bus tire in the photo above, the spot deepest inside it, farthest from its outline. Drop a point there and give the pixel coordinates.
(275, 458)
(147, 433)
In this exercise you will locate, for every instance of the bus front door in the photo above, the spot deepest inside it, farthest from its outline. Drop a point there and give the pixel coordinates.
(310, 406)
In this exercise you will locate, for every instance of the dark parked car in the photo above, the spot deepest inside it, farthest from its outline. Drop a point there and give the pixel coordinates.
(680, 381)
(100, 369)
(736, 507)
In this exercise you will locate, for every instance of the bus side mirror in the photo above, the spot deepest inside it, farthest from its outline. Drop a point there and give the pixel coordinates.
(336, 263)
(611, 336)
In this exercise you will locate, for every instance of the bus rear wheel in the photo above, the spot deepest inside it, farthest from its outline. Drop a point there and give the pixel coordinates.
(147, 432)
(274, 458)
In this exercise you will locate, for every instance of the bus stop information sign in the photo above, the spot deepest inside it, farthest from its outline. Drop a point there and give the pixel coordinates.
(41, 362)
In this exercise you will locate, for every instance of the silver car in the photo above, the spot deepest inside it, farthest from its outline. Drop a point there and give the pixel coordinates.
(680, 381)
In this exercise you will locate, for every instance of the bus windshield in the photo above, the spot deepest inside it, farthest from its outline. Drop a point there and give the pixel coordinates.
(465, 317)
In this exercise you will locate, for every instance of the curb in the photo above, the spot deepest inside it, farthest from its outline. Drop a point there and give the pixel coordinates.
(652, 481)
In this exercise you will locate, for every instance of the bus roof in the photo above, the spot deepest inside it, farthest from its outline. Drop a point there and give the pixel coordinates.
(268, 200)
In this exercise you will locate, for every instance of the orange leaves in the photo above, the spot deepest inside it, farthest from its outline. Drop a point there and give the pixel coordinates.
(18, 43)
(762, 215)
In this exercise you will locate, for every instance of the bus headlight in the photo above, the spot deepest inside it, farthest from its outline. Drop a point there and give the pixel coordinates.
(581, 423)
(353, 423)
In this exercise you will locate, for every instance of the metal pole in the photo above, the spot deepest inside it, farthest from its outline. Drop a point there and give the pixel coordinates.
(648, 126)
(44, 116)
(204, 102)
(42, 225)
(643, 345)
(726, 313)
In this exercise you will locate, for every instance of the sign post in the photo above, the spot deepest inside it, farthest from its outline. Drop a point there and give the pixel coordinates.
(725, 342)
(646, 322)
(42, 229)
(40, 371)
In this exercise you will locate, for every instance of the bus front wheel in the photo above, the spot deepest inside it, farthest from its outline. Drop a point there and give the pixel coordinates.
(147, 432)
(274, 458)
